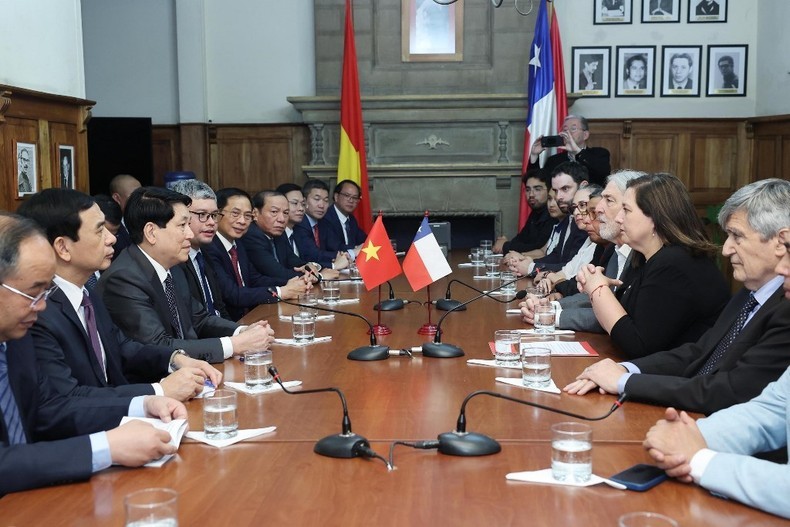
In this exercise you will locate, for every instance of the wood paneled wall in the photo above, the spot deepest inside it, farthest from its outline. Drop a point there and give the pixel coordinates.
(48, 121)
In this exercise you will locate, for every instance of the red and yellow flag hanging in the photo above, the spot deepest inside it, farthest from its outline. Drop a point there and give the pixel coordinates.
(352, 163)
(377, 261)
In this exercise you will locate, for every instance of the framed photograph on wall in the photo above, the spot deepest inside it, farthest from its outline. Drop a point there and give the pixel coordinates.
(727, 71)
(654, 11)
(591, 71)
(66, 166)
(26, 173)
(432, 32)
(635, 71)
(612, 11)
(707, 11)
(680, 71)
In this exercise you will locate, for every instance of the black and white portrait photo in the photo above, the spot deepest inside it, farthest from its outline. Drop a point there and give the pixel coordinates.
(66, 166)
(612, 11)
(635, 71)
(661, 11)
(707, 11)
(727, 71)
(591, 71)
(27, 182)
(680, 66)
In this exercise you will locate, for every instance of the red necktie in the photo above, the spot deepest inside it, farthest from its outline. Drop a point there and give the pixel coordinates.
(315, 236)
(234, 259)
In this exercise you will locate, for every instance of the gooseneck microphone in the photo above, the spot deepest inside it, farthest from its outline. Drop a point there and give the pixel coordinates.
(347, 444)
(437, 349)
(374, 351)
(391, 303)
(462, 443)
(447, 303)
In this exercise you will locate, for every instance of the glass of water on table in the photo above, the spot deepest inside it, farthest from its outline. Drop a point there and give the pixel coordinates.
(571, 452)
(219, 415)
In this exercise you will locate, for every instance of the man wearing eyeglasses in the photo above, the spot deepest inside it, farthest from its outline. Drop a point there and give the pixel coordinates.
(47, 438)
(146, 291)
(341, 220)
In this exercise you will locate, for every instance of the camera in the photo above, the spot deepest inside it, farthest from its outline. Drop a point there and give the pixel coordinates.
(552, 141)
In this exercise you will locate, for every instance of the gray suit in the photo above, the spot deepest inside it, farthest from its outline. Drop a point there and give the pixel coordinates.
(136, 300)
(759, 425)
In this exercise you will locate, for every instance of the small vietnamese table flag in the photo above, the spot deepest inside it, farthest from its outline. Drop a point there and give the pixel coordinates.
(376, 260)
(425, 263)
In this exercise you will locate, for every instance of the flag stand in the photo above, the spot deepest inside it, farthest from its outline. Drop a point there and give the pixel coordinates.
(379, 328)
(429, 328)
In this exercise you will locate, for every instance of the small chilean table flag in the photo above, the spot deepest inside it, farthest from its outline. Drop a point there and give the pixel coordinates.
(377, 261)
(425, 263)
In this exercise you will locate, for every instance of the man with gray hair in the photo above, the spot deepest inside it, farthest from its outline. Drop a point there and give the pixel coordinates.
(203, 218)
(747, 346)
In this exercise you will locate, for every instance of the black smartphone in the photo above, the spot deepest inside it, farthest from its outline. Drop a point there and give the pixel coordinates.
(640, 477)
(552, 141)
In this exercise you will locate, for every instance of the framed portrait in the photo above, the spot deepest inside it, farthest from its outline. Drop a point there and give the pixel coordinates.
(654, 11)
(707, 11)
(680, 71)
(432, 32)
(727, 71)
(66, 166)
(612, 11)
(635, 71)
(591, 71)
(26, 173)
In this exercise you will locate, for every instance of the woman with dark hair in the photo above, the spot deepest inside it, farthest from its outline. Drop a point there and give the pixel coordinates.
(677, 292)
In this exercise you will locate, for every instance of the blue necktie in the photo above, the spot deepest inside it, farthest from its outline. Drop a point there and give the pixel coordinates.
(91, 283)
(13, 423)
(201, 261)
(274, 250)
(347, 226)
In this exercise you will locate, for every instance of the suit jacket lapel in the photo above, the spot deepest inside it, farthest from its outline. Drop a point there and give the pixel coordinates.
(61, 302)
(158, 290)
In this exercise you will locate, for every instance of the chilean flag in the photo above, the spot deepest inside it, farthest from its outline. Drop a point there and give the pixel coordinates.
(425, 263)
(542, 118)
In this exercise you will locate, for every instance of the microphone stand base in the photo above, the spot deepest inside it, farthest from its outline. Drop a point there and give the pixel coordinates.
(367, 353)
(381, 329)
(427, 329)
(467, 445)
(448, 304)
(440, 350)
(392, 304)
(340, 446)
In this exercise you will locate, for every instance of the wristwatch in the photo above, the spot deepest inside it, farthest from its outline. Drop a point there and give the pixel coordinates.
(173, 365)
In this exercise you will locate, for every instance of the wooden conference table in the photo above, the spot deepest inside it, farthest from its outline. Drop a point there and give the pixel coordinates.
(278, 478)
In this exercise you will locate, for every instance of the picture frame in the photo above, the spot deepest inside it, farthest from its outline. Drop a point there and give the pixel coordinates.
(26, 168)
(660, 11)
(65, 163)
(628, 82)
(689, 63)
(724, 81)
(707, 11)
(591, 71)
(432, 32)
(613, 11)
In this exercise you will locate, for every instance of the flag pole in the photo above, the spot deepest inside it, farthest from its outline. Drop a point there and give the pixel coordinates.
(379, 328)
(429, 328)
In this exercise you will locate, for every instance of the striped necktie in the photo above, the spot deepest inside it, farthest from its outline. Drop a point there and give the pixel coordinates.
(13, 422)
(93, 331)
(208, 297)
(729, 338)
(170, 293)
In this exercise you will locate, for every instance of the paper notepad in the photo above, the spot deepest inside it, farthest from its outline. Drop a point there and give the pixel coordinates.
(563, 349)
(176, 428)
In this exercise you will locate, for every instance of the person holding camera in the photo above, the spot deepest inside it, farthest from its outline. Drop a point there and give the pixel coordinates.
(573, 139)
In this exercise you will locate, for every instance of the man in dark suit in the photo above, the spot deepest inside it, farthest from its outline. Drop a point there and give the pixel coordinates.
(538, 227)
(198, 269)
(121, 187)
(77, 345)
(146, 291)
(707, 7)
(243, 287)
(576, 132)
(268, 247)
(340, 218)
(747, 347)
(313, 235)
(681, 67)
(46, 438)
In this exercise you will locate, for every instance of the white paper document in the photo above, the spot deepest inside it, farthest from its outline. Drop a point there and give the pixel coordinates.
(544, 476)
(176, 428)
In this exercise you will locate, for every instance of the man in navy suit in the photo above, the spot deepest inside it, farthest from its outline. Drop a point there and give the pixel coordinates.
(341, 220)
(268, 247)
(243, 287)
(77, 345)
(121, 187)
(47, 438)
(313, 234)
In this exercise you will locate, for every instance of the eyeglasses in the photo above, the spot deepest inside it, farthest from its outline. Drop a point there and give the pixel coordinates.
(350, 197)
(236, 214)
(580, 209)
(204, 216)
(34, 300)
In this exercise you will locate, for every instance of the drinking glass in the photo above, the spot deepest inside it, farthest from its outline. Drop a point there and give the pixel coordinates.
(308, 300)
(331, 290)
(476, 256)
(545, 316)
(219, 415)
(303, 326)
(535, 364)
(151, 507)
(493, 261)
(485, 246)
(646, 519)
(506, 352)
(571, 452)
(504, 278)
(256, 370)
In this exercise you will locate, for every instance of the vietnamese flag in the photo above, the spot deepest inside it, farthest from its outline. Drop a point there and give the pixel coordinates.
(352, 163)
(376, 260)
